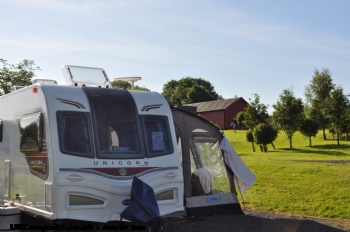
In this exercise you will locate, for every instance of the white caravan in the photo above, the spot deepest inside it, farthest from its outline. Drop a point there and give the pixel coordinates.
(70, 152)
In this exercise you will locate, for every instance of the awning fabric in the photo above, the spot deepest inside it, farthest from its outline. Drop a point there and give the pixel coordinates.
(244, 178)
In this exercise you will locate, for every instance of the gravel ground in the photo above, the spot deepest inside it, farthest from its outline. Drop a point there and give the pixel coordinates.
(260, 222)
(252, 221)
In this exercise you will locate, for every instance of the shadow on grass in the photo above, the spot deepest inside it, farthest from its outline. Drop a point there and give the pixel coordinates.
(332, 146)
(321, 149)
(326, 149)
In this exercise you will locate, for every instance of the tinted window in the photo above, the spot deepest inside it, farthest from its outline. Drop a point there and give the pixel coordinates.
(115, 123)
(31, 133)
(75, 133)
(157, 135)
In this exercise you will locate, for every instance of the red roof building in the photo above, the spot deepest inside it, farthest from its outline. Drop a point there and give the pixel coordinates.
(219, 112)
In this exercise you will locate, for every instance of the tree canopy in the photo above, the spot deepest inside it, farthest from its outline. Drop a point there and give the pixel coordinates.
(20, 74)
(264, 134)
(309, 127)
(255, 113)
(127, 85)
(189, 90)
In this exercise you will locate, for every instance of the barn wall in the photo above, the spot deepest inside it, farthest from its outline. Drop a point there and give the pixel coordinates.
(232, 112)
(215, 117)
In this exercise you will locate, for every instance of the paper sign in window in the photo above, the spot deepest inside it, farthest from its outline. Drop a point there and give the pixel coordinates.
(158, 141)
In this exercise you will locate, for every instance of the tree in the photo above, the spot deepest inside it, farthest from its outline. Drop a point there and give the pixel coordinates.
(288, 114)
(189, 90)
(121, 84)
(141, 88)
(346, 126)
(20, 74)
(255, 113)
(127, 85)
(308, 128)
(338, 106)
(197, 94)
(264, 134)
(332, 131)
(317, 94)
(240, 118)
(250, 138)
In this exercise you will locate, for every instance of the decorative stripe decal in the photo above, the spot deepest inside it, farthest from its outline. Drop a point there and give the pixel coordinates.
(73, 103)
(151, 107)
(114, 172)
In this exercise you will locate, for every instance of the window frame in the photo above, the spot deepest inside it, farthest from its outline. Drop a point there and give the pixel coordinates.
(86, 115)
(122, 154)
(111, 98)
(165, 121)
(34, 118)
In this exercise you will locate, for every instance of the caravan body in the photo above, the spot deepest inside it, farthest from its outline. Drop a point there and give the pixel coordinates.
(71, 152)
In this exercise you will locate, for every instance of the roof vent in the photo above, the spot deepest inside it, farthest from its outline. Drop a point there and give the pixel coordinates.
(16, 87)
(85, 76)
(44, 81)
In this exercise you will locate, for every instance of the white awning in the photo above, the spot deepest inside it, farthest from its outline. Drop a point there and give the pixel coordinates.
(244, 178)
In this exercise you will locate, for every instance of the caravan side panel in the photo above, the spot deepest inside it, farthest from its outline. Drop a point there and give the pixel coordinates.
(24, 148)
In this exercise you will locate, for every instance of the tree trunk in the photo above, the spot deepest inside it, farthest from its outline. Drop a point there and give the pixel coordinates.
(290, 144)
(265, 148)
(273, 146)
(324, 133)
(253, 146)
(310, 141)
(338, 137)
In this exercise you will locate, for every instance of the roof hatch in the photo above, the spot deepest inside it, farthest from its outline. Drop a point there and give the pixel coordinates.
(85, 76)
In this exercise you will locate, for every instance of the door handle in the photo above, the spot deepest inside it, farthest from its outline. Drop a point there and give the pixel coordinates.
(74, 177)
(170, 175)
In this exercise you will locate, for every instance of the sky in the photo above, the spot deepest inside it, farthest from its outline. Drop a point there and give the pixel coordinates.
(241, 47)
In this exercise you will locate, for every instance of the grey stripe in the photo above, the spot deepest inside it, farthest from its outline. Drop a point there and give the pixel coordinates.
(150, 107)
(76, 104)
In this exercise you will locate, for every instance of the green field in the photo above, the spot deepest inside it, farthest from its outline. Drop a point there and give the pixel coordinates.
(310, 181)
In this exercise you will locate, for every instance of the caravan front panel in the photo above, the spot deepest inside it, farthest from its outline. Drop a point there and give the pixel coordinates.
(107, 140)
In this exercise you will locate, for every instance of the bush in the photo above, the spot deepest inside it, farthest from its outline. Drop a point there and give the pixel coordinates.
(264, 134)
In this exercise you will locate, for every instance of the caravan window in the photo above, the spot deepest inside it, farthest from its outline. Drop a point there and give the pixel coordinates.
(157, 135)
(207, 160)
(31, 133)
(116, 127)
(75, 133)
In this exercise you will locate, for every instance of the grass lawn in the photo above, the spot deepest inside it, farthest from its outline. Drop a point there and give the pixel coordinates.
(311, 181)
